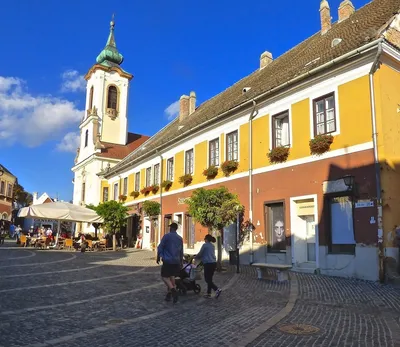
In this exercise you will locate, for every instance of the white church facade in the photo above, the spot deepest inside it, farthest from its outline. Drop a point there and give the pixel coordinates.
(104, 137)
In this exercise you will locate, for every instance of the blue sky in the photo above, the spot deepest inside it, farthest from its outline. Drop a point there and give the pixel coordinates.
(171, 48)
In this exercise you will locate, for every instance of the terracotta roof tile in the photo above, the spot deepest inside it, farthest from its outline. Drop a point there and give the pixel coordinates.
(115, 151)
(364, 26)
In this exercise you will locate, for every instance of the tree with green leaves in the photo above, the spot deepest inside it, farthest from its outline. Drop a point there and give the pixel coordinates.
(152, 209)
(215, 209)
(114, 215)
(21, 197)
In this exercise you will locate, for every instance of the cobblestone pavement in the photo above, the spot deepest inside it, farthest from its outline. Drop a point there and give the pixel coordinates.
(60, 298)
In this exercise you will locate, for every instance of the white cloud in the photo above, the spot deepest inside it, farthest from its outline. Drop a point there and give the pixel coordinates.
(172, 110)
(32, 120)
(69, 143)
(72, 81)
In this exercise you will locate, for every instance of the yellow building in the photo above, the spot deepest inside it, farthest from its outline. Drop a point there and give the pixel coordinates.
(308, 142)
(7, 182)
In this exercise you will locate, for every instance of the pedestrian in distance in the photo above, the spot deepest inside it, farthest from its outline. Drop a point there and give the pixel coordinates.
(207, 256)
(170, 251)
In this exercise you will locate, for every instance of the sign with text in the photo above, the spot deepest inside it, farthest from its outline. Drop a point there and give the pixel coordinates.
(364, 203)
(182, 201)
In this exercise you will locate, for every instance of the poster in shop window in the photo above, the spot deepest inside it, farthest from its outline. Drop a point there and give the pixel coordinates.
(277, 227)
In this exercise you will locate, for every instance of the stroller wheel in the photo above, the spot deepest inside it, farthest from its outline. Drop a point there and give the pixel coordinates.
(197, 288)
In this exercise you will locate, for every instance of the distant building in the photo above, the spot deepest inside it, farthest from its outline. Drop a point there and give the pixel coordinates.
(7, 182)
(47, 223)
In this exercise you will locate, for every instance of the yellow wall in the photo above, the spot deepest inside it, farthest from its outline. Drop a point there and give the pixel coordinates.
(300, 129)
(355, 114)
(131, 187)
(355, 128)
(200, 161)
(104, 183)
(260, 142)
(387, 87)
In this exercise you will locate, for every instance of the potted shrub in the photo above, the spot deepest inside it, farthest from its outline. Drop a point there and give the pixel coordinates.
(166, 184)
(278, 154)
(155, 188)
(320, 144)
(122, 197)
(229, 166)
(211, 172)
(135, 194)
(186, 179)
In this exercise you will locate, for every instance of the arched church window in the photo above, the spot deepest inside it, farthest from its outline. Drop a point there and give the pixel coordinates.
(112, 97)
(91, 98)
(86, 137)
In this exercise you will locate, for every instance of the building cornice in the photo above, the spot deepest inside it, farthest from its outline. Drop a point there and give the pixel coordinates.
(96, 67)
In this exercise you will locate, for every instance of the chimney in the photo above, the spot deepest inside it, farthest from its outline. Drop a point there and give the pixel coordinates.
(183, 107)
(34, 197)
(325, 13)
(265, 59)
(346, 9)
(192, 102)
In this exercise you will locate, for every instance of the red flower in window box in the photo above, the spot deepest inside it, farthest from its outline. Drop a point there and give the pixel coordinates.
(229, 166)
(211, 172)
(155, 188)
(321, 144)
(146, 190)
(122, 197)
(278, 154)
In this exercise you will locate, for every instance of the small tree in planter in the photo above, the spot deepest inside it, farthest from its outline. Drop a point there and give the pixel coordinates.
(155, 188)
(278, 154)
(211, 172)
(320, 144)
(166, 184)
(122, 197)
(186, 179)
(229, 166)
(135, 194)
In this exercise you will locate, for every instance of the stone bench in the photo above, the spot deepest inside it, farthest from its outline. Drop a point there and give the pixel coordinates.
(282, 270)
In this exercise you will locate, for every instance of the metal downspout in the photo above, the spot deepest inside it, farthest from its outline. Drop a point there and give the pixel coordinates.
(252, 115)
(381, 255)
(161, 197)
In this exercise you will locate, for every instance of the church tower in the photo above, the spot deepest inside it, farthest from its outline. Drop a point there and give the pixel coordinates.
(104, 125)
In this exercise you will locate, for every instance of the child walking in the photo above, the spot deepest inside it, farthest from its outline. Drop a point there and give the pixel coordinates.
(207, 256)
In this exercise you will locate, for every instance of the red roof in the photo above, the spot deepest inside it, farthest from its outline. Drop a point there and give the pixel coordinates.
(112, 150)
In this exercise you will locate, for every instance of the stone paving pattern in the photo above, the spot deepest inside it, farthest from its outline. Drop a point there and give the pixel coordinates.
(60, 298)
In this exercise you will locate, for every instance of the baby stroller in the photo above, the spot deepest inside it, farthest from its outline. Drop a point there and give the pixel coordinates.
(187, 281)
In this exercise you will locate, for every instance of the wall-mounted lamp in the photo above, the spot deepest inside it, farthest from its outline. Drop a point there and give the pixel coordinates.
(349, 181)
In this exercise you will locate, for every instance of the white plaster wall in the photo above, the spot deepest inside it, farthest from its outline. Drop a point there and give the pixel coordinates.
(362, 265)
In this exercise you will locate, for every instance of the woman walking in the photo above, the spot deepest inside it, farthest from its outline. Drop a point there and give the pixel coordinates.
(207, 256)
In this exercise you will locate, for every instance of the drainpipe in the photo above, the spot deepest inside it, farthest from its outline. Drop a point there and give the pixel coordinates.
(161, 196)
(252, 115)
(374, 67)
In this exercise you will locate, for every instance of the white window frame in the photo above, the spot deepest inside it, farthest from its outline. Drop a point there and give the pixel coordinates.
(137, 181)
(185, 168)
(219, 151)
(275, 111)
(317, 94)
(125, 186)
(115, 191)
(168, 178)
(226, 145)
(156, 177)
(148, 176)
